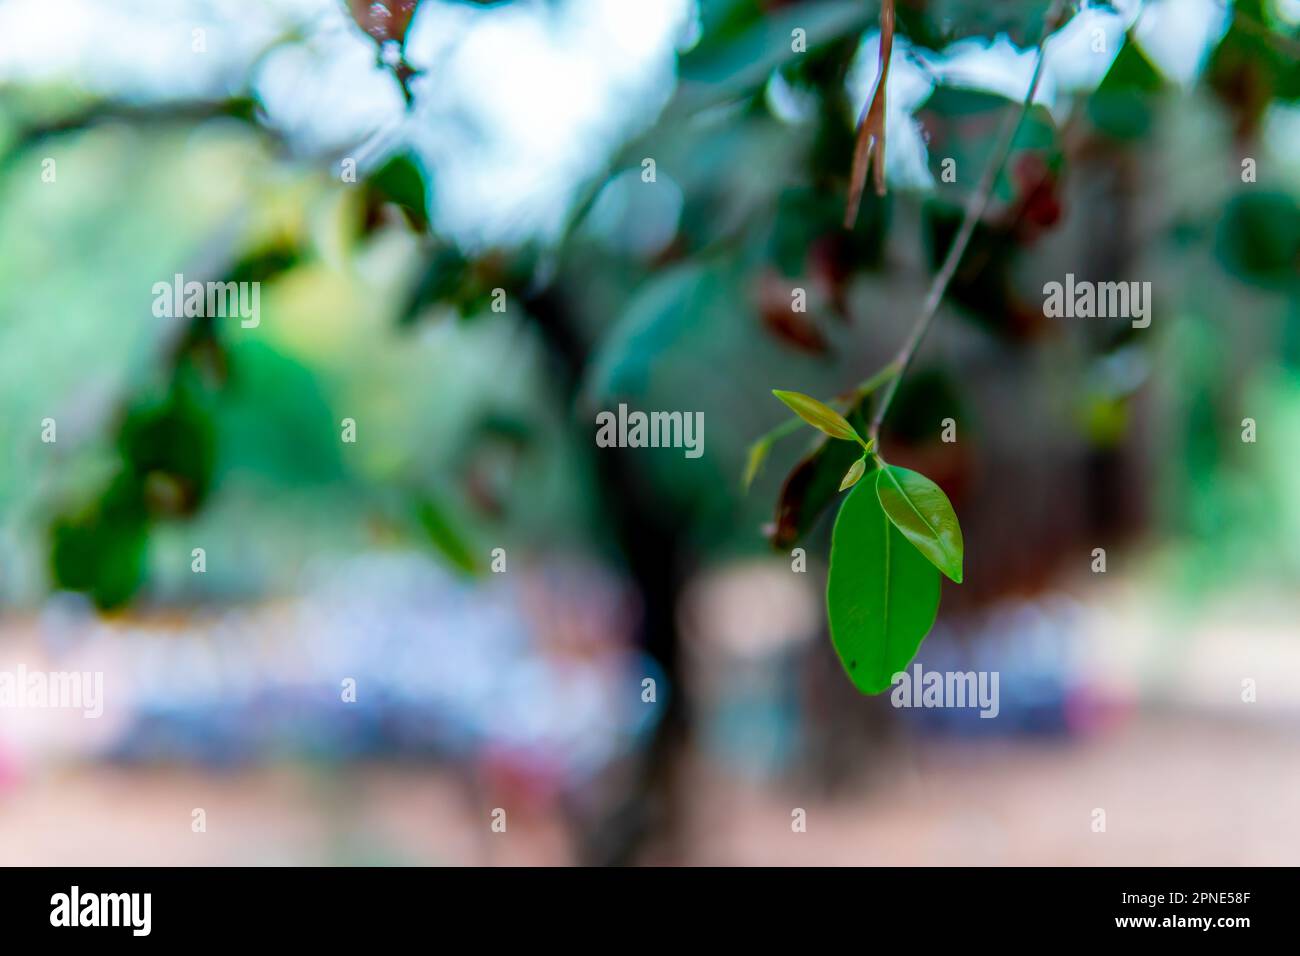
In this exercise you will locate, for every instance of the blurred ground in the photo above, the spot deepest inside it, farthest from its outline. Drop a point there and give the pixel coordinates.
(1176, 789)
(1152, 725)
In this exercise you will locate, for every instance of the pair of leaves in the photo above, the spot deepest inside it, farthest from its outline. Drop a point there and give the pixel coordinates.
(892, 537)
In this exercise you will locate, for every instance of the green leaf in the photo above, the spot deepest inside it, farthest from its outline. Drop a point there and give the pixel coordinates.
(102, 550)
(1253, 65)
(881, 597)
(445, 535)
(757, 455)
(1258, 237)
(819, 416)
(658, 319)
(937, 23)
(919, 508)
(444, 280)
(854, 473)
(963, 125)
(733, 58)
(401, 181)
(1122, 106)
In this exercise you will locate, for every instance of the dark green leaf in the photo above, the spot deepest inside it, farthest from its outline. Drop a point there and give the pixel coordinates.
(728, 62)
(1121, 106)
(1253, 66)
(937, 23)
(882, 595)
(442, 281)
(1258, 237)
(172, 441)
(401, 182)
(265, 263)
(101, 551)
(964, 125)
(446, 536)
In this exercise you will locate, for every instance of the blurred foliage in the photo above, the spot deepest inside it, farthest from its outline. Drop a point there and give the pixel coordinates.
(936, 23)
(478, 430)
(1254, 65)
(1258, 238)
(1123, 106)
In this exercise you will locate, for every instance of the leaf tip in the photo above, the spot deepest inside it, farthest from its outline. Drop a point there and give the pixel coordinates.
(754, 462)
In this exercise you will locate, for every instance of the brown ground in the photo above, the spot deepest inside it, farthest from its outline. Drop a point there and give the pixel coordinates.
(1176, 790)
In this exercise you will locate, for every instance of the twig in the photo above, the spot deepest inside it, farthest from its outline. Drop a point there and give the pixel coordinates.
(865, 388)
(974, 211)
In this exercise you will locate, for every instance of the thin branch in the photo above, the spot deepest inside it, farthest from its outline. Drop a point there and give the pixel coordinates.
(975, 207)
(865, 388)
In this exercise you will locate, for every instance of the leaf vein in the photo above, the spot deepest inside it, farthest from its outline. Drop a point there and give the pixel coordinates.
(906, 497)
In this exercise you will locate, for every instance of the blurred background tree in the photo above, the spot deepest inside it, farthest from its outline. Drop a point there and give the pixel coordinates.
(504, 146)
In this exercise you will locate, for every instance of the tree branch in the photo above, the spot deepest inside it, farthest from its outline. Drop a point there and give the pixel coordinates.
(974, 212)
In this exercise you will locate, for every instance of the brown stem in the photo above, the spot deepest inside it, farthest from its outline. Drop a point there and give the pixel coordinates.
(870, 144)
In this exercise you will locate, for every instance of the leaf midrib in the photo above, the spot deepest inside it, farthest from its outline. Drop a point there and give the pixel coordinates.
(906, 497)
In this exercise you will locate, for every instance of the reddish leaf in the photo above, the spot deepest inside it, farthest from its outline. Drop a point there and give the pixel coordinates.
(812, 485)
(795, 329)
(384, 20)
(870, 145)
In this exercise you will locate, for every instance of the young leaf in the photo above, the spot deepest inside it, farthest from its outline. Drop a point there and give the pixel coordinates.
(881, 597)
(757, 455)
(819, 416)
(919, 508)
(854, 473)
